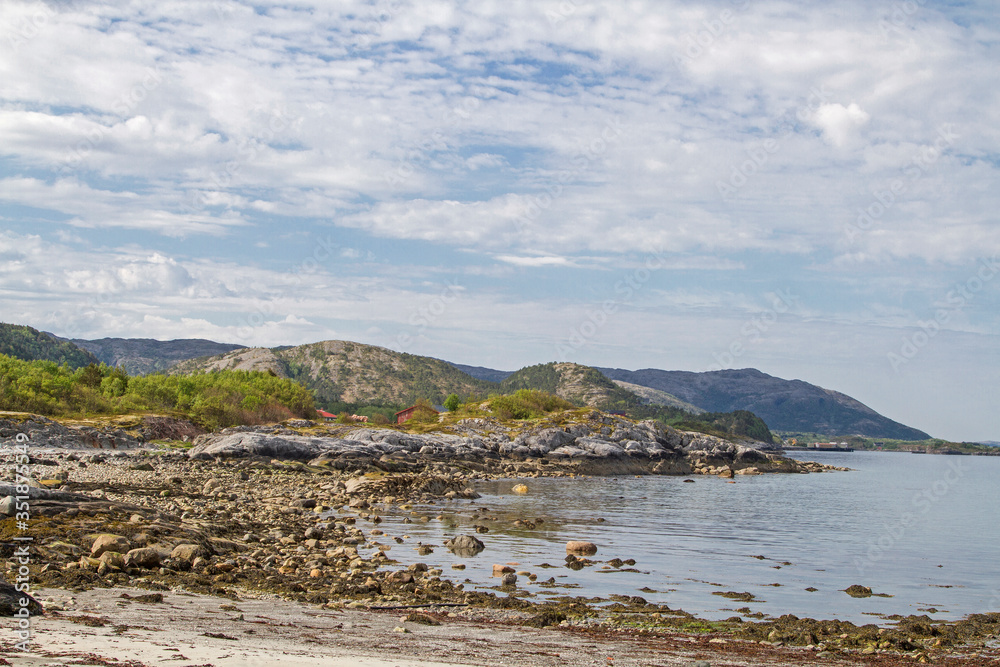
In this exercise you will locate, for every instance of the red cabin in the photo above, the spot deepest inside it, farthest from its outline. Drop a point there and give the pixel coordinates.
(407, 414)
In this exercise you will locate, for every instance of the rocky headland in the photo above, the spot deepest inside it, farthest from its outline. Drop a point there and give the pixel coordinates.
(594, 443)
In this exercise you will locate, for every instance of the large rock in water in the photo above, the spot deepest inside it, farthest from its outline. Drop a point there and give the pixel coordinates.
(582, 548)
(858, 591)
(465, 545)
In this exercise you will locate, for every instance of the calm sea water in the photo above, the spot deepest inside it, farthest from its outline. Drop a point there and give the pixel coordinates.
(922, 529)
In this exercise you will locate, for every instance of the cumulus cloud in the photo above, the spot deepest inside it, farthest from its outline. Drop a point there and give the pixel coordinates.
(154, 274)
(840, 124)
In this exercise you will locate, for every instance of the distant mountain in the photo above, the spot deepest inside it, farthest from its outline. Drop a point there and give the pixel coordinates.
(584, 385)
(29, 344)
(345, 373)
(647, 395)
(352, 373)
(140, 356)
(786, 405)
(990, 443)
(482, 373)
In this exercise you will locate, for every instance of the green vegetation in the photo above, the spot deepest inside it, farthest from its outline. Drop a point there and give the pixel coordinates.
(29, 344)
(527, 404)
(214, 400)
(738, 423)
(543, 377)
(523, 404)
(452, 402)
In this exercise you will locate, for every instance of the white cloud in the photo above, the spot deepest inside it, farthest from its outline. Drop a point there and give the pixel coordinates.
(485, 140)
(310, 132)
(535, 261)
(840, 124)
(88, 207)
(484, 160)
(154, 274)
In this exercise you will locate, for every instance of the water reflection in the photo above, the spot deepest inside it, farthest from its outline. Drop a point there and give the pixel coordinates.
(794, 542)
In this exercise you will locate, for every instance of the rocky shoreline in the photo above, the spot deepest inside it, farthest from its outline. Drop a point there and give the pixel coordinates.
(593, 444)
(293, 511)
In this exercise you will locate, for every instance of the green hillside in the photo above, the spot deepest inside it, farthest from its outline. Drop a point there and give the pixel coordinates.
(22, 342)
(223, 398)
(738, 423)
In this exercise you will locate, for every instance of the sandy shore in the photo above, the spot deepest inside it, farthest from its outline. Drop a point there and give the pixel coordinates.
(110, 627)
(188, 630)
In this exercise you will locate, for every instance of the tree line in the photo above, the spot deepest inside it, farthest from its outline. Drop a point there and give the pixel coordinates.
(214, 399)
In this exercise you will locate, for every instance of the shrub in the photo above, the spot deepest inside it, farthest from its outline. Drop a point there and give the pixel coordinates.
(526, 404)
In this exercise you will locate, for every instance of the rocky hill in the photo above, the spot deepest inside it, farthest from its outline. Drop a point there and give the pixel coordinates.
(578, 384)
(342, 373)
(351, 373)
(652, 396)
(786, 405)
(141, 356)
(22, 342)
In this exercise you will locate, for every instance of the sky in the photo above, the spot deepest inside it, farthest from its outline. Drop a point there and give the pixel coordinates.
(807, 188)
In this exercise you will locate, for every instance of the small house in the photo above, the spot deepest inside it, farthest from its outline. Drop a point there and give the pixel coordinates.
(407, 414)
(330, 417)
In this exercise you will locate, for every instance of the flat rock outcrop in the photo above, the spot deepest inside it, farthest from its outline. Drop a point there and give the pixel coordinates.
(46, 433)
(603, 444)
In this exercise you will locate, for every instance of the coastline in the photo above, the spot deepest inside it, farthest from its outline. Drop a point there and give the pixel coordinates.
(254, 534)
